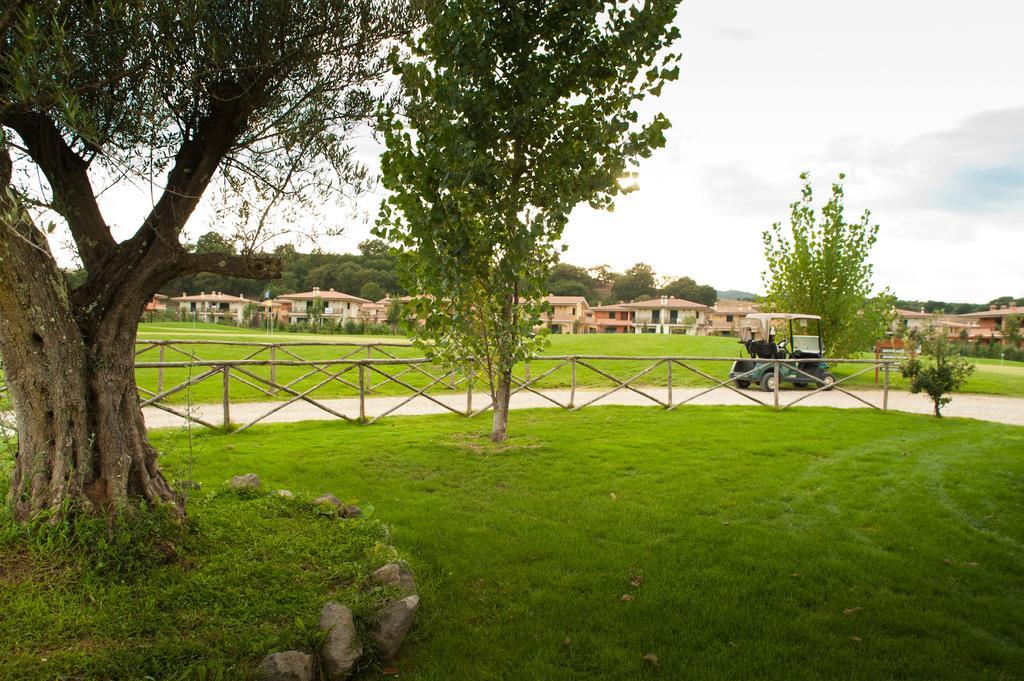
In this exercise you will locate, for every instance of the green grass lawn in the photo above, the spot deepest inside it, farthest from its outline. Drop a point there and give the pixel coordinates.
(808, 544)
(248, 577)
(990, 376)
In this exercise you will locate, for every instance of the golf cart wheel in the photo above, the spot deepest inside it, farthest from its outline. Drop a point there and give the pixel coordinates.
(828, 380)
(768, 382)
(742, 385)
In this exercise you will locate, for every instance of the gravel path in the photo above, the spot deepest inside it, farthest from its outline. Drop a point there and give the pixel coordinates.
(984, 407)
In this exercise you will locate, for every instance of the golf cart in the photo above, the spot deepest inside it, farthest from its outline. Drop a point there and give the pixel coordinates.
(757, 335)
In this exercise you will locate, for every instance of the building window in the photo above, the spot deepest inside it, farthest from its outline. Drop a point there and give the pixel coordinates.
(728, 317)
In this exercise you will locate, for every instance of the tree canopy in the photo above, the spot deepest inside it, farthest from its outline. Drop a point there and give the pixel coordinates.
(515, 113)
(821, 267)
(249, 105)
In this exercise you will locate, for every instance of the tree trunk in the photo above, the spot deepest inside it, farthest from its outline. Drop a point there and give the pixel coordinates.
(81, 437)
(501, 397)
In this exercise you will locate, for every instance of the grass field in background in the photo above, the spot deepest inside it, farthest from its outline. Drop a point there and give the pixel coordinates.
(990, 377)
(808, 544)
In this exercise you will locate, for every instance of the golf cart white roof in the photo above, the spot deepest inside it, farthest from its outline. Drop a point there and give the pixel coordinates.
(759, 324)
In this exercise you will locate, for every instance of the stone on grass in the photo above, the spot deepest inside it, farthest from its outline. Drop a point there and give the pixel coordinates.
(397, 575)
(286, 493)
(351, 511)
(288, 666)
(393, 624)
(341, 646)
(247, 481)
(328, 500)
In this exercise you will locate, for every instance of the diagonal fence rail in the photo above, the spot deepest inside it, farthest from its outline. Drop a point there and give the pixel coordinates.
(354, 385)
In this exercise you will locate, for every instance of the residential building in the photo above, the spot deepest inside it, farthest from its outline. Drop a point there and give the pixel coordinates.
(373, 313)
(569, 314)
(338, 306)
(991, 321)
(912, 321)
(215, 307)
(726, 315)
(158, 303)
(670, 315)
(612, 319)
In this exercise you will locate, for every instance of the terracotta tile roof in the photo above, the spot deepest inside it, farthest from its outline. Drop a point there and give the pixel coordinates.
(611, 308)
(567, 300)
(911, 314)
(1001, 312)
(735, 307)
(387, 301)
(214, 297)
(669, 303)
(324, 295)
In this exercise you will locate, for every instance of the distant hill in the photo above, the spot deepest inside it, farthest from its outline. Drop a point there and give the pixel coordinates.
(735, 295)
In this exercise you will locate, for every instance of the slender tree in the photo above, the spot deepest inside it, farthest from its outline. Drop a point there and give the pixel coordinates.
(516, 112)
(938, 371)
(822, 268)
(248, 102)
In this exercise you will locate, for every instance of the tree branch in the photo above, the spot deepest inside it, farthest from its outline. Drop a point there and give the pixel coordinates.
(246, 266)
(67, 174)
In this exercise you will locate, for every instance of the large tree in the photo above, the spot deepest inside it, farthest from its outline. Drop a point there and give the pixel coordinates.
(636, 283)
(822, 267)
(250, 101)
(688, 289)
(516, 112)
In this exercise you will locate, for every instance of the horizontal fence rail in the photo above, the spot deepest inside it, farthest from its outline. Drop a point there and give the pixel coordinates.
(279, 373)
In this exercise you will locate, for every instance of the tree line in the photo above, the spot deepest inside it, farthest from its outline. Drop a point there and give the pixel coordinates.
(602, 285)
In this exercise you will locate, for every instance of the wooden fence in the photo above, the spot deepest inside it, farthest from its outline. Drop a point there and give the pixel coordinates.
(364, 376)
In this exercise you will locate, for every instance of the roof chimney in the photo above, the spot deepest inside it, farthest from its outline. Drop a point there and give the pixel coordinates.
(992, 307)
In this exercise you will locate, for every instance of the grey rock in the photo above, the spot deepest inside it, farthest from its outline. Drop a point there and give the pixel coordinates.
(397, 575)
(286, 493)
(342, 646)
(328, 500)
(352, 511)
(288, 666)
(393, 623)
(247, 481)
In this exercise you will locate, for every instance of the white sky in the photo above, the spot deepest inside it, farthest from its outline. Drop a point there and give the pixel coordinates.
(919, 102)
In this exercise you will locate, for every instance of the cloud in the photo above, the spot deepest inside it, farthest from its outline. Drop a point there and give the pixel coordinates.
(985, 189)
(736, 33)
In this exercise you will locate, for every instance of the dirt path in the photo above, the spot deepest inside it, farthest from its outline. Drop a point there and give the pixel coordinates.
(984, 407)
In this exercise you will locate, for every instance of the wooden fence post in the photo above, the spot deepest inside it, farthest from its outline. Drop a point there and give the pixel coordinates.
(226, 396)
(362, 393)
(669, 384)
(273, 365)
(369, 378)
(160, 372)
(775, 371)
(469, 388)
(885, 388)
(572, 389)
